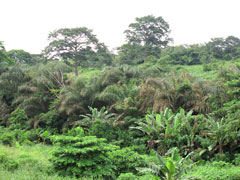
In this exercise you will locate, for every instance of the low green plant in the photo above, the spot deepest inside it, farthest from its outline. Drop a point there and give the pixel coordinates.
(28, 137)
(236, 159)
(127, 176)
(219, 131)
(33, 163)
(222, 157)
(207, 67)
(82, 156)
(7, 137)
(166, 129)
(102, 116)
(168, 168)
(216, 171)
(18, 119)
(125, 160)
(7, 162)
(131, 176)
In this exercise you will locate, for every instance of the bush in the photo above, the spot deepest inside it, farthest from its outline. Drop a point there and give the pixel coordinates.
(207, 67)
(236, 160)
(82, 156)
(18, 119)
(7, 137)
(10, 137)
(125, 160)
(8, 163)
(222, 157)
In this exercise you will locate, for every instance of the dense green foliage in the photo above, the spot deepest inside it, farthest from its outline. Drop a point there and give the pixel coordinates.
(21, 56)
(77, 44)
(217, 171)
(82, 156)
(90, 156)
(104, 114)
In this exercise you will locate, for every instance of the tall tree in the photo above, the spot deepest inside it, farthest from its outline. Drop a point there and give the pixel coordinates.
(72, 43)
(149, 31)
(3, 55)
(145, 37)
(224, 48)
(20, 56)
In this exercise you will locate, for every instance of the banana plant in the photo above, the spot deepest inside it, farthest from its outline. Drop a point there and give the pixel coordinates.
(175, 124)
(219, 131)
(102, 116)
(170, 168)
(154, 126)
(162, 126)
(189, 127)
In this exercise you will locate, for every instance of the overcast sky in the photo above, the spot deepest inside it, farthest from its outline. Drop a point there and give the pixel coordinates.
(25, 24)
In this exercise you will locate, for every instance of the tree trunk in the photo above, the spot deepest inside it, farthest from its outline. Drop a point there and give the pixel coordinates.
(220, 148)
(76, 67)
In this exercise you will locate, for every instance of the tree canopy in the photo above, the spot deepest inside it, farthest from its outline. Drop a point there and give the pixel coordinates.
(20, 56)
(72, 43)
(150, 31)
(3, 55)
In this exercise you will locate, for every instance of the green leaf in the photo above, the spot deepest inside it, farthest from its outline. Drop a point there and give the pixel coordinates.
(171, 167)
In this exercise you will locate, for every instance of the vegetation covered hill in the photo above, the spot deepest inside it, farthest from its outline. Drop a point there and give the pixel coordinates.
(151, 111)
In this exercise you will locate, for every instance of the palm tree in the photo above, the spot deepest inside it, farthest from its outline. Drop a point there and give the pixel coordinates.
(72, 100)
(9, 82)
(174, 93)
(4, 112)
(41, 86)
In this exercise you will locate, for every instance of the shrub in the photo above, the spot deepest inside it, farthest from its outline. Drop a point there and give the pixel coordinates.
(236, 160)
(222, 157)
(7, 137)
(207, 67)
(8, 163)
(10, 137)
(168, 168)
(125, 160)
(84, 156)
(18, 119)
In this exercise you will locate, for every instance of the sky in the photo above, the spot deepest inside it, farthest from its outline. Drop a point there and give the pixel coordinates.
(25, 24)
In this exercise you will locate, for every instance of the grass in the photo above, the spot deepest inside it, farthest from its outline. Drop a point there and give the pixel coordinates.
(194, 70)
(85, 73)
(29, 174)
(198, 70)
(33, 163)
(89, 72)
(216, 171)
